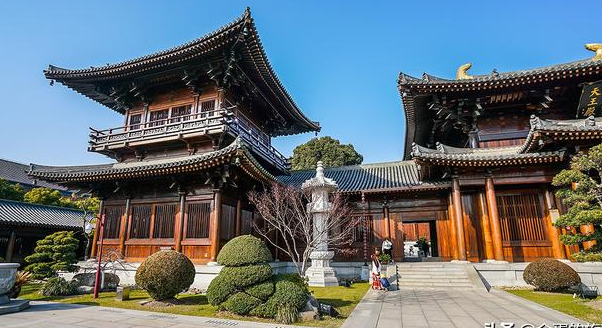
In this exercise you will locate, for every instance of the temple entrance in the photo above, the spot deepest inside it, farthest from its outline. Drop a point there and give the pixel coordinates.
(420, 241)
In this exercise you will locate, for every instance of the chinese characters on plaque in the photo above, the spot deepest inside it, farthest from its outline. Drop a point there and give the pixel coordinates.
(590, 103)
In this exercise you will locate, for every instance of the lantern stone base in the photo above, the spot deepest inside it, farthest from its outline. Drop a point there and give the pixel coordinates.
(320, 274)
(14, 306)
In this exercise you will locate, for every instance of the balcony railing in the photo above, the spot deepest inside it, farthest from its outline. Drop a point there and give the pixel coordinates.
(188, 125)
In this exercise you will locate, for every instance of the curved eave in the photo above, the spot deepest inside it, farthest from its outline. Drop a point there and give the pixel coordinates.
(81, 80)
(430, 83)
(525, 159)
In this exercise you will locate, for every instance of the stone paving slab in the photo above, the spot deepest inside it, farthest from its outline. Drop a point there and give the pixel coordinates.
(61, 315)
(436, 308)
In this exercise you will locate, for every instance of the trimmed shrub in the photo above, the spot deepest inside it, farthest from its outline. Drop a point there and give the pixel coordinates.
(244, 250)
(56, 252)
(550, 275)
(165, 274)
(262, 290)
(247, 275)
(219, 289)
(287, 293)
(58, 286)
(240, 303)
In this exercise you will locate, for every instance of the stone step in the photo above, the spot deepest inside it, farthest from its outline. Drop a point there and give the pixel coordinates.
(442, 280)
(436, 284)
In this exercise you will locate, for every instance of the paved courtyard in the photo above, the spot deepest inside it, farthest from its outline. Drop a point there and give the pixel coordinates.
(407, 308)
(412, 308)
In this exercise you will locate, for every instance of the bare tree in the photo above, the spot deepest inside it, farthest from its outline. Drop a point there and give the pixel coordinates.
(283, 209)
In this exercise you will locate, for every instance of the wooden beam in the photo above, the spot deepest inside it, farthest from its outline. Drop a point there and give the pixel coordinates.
(238, 217)
(180, 231)
(124, 228)
(10, 249)
(494, 219)
(215, 223)
(96, 231)
(452, 225)
(587, 229)
(458, 218)
(554, 232)
(486, 227)
(387, 222)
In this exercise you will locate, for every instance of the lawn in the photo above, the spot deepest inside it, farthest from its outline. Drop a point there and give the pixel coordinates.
(565, 303)
(343, 298)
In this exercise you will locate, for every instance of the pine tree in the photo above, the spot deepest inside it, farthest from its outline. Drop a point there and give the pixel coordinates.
(56, 252)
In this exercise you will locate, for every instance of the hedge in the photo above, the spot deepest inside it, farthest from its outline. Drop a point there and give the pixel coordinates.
(550, 275)
(219, 289)
(262, 290)
(247, 275)
(240, 303)
(164, 274)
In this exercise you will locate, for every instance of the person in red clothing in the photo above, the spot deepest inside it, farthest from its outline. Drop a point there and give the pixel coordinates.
(376, 271)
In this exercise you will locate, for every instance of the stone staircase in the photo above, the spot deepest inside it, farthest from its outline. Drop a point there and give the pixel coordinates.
(442, 275)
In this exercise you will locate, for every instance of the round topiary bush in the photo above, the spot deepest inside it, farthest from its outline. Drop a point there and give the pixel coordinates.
(244, 250)
(165, 274)
(288, 294)
(550, 275)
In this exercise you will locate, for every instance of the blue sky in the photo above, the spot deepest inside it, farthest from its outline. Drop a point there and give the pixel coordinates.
(338, 59)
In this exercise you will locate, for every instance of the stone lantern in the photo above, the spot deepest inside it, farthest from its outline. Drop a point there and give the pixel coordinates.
(320, 273)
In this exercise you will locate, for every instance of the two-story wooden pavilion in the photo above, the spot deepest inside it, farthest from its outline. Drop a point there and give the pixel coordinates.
(196, 137)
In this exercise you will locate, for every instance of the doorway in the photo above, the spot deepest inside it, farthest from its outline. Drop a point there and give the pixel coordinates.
(420, 241)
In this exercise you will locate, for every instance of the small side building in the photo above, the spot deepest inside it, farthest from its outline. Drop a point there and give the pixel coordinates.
(22, 224)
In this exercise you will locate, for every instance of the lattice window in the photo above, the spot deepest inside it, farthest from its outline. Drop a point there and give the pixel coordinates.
(158, 117)
(227, 222)
(358, 230)
(141, 218)
(181, 113)
(521, 217)
(165, 216)
(135, 121)
(247, 222)
(112, 222)
(197, 224)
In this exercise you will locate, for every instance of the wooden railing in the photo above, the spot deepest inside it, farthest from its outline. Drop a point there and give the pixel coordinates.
(205, 122)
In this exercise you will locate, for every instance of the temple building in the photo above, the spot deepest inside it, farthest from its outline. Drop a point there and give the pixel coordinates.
(474, 181)
(198, 120)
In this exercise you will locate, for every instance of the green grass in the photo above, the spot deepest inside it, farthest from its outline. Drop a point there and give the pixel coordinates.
(343, 298)
(565, 303)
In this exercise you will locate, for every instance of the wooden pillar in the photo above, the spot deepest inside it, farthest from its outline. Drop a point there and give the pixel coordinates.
(238, 217)
(554, 232)
(496, 229)
(486, 228)
(97, 231)
(180, 232)
(10, 249)
(216, 214)
(458, 218)
(387, 221)
(124, 228)
(452, 223)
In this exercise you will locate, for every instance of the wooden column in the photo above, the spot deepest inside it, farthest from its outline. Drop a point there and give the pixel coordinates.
(387, 221)
(180, 232)
(452, 223)
(216, 214)
(458, 218)
(124, 228)
(10, 249)
(496, 229)
(97, 231)
(554, 232)
(486, 228)
(238, 217)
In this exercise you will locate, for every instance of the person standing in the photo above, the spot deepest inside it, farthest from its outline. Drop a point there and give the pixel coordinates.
(387, 247)
(375, 271)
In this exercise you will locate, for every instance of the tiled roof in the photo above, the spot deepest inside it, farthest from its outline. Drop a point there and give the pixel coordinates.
(494, 156)
(241, 32)
(496, 80)
(27, 214)
(154, 167)
(544, 131)
(392, 176)
(17, 173)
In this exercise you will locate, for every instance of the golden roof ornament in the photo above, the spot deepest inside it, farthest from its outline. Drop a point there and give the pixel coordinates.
(462, 74)
(597, 48)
